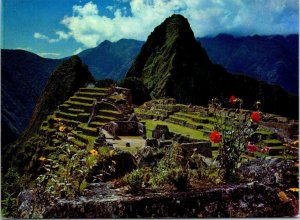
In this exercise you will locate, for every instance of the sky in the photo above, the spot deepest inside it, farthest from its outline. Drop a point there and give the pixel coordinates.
(60, 28)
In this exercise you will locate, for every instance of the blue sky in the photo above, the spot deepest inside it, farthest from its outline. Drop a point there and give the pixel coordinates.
(59, 28)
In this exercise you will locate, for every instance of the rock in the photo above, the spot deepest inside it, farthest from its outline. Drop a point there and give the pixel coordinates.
(115, 166)
(161, 131)
(203, 148)
(257, 200)
(133, 118)
(151, 143)
(275, 171)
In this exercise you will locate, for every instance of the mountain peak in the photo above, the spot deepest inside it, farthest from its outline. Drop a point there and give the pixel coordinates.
(170, 52)
(69, 76)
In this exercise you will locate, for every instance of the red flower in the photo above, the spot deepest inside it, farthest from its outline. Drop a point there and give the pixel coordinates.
(255, 116)
(265, 150)
(215, 137)
(232, 99)
(252, 148)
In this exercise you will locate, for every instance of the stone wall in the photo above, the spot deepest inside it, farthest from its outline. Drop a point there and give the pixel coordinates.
(203, 148)
(246, 200)
(126, 128)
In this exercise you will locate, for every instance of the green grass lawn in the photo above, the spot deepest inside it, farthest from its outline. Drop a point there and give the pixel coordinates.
(194, 116)
(189, 121)
(150, 126)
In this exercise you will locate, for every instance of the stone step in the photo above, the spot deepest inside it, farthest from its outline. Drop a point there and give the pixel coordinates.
(101, 118)
(64, 107)
(171, 108)
(144, 116)
(73, 111)
(83, 117)
(82, 99)
(110, 113)
(88, 130)
(193, 117)
(94, 95)
(96, 124)
(106, 106)
(79, 136)
(94, 90)
(175, 120)
(71, 123)
(78, 105)
(67, 116)
(184, 123)
(161, 112)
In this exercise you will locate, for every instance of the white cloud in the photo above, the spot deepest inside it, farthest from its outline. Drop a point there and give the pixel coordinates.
(61, 36)
(110, 7)
(88, 26)
(77, 51)
(24, 48)
(49, 55)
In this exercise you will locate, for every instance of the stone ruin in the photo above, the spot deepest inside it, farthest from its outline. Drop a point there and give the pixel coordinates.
(162, 137)
(162, 132)
(132, 127)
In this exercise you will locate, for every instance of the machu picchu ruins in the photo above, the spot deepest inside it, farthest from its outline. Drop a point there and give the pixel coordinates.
(151, 129)
(109, 111)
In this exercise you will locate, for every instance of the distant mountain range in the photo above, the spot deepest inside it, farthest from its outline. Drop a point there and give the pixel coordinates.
(111, 60)
(24, 74)
(273, 59)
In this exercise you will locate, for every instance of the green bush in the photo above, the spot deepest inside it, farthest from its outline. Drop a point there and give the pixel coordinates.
(135, 180)
(172, 169)
(179, 177)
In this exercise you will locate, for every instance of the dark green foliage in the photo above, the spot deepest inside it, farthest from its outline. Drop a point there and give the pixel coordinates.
(23, 155)
(139, 92)
(105, 83)
(11, 184)
(135, 180)
(173, 64)
(62, 84)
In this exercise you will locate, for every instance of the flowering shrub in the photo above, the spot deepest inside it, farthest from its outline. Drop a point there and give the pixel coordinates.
(232, 131)
(65, 174)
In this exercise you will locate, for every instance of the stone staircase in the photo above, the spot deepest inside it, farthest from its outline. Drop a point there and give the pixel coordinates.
(79, 120)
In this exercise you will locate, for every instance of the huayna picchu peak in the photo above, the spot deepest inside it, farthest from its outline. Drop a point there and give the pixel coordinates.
(173, 64)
